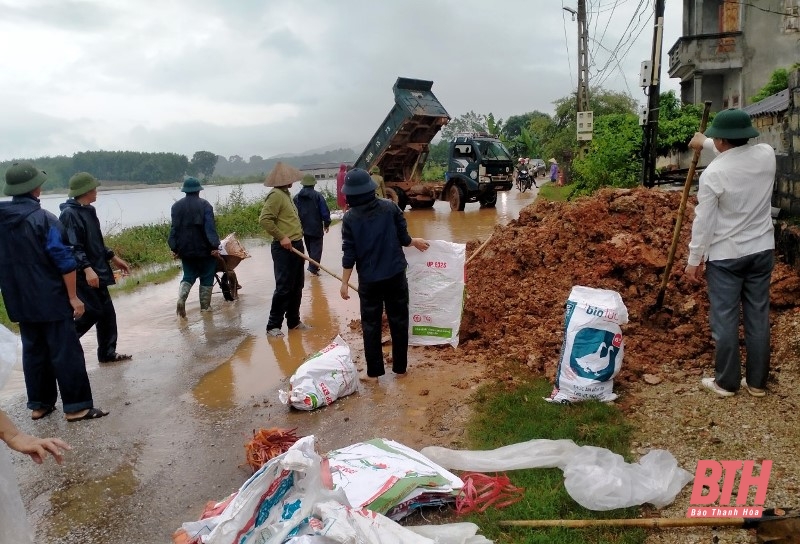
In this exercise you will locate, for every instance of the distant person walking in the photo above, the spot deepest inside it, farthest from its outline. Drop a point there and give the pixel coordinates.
(375, 174)
(374, 232)
(315, 218)
(37, 278)
(553, 170)
(94, 274)
(194, 240)
(733, 233)
(280, 219)
(340, 199)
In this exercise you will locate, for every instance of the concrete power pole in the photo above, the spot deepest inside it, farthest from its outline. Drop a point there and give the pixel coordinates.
(584, 120)
(651, 80)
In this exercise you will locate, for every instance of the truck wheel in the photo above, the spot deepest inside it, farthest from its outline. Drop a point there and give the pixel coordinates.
(489, 200)
(456, 197)
(391, 195)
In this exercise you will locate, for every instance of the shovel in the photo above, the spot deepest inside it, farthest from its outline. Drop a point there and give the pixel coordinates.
(775, 526)
(679, 220)
(315, 263)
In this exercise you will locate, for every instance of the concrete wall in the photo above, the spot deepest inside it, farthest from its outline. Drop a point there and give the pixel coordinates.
(787, 179)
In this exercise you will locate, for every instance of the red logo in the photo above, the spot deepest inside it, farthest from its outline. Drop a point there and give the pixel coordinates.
(719, 478)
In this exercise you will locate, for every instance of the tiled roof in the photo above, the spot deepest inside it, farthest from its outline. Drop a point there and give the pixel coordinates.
(772, 104)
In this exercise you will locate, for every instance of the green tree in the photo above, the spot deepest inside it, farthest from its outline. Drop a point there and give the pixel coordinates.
(495, 127)
(467, 122)
(778, 81)
(204, 162)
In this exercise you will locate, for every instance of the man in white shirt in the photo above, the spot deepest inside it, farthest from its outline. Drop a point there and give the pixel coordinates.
(733, 233)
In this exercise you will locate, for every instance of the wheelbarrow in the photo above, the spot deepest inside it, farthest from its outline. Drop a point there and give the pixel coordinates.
(232, 252)
(226, 276)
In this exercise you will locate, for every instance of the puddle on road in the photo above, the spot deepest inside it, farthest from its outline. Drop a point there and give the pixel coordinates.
(85, 502)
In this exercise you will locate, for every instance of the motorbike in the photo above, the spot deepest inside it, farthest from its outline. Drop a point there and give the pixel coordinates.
(524, 180)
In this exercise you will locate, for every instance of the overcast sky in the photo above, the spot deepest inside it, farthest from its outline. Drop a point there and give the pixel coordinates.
(269, 77)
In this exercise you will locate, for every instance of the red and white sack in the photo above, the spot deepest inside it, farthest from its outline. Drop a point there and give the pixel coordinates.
(324, 377)
(591, 354)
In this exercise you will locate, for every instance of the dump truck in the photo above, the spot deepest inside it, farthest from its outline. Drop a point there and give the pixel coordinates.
(400, 146)
(478, 166)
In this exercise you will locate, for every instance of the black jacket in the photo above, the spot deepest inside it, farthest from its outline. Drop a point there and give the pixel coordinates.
(86, 238)
(34, 256)
(193, 232)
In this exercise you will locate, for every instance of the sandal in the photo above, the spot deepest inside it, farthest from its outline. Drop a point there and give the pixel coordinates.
(93, 413)
(47, 411)
(117, 357)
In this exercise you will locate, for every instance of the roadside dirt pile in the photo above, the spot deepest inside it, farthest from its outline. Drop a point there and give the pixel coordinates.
(617, 239)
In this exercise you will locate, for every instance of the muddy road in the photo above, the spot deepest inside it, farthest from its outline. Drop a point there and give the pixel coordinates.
(183, 408)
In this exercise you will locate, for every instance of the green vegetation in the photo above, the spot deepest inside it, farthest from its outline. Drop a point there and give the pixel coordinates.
(552, 192)
(506, 416)
(778, 81)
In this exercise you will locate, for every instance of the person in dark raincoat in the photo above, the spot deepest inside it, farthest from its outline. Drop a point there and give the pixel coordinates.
(94, 273)
(315, 217)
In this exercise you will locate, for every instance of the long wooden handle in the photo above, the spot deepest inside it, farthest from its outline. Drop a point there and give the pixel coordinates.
(315, 263)
(636, 522)
(480, 248)
(682, 209)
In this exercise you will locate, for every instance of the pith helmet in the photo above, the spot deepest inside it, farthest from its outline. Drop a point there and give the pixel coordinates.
(732, 124)
(191, 185)
(81, 183)
(22, 178)
(308, 181)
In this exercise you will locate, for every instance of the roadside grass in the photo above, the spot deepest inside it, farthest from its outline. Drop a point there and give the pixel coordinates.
(551, 191)
(504, 416)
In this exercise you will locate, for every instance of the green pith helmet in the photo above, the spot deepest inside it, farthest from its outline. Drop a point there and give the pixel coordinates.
(22, 178)
(375, 170)
(732, 124)
(191, 185)
(308, 181)
(81, 183)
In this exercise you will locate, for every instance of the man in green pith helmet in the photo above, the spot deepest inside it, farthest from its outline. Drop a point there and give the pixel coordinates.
(94, 274)
(315, 218)
(733, 234)
(375, 174)
(194, 240)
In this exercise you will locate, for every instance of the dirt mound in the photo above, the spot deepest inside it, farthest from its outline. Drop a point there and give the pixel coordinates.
(617, 239)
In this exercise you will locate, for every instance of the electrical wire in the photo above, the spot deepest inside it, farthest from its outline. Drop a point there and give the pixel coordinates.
(566, 40)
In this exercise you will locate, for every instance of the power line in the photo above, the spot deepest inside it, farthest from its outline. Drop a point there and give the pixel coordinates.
(566, 40)
(619, 66)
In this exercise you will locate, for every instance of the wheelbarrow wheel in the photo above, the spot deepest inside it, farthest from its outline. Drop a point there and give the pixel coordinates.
(225, 285)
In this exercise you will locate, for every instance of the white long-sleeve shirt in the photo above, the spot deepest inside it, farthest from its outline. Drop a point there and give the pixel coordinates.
(733, 215)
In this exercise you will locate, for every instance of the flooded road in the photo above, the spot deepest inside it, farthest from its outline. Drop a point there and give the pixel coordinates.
(183, 408)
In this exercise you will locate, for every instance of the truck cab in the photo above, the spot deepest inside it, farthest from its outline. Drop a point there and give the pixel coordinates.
(479, 166)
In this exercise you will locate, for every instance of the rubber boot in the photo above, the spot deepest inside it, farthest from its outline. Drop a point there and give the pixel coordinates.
(205, 298)
(183, 294)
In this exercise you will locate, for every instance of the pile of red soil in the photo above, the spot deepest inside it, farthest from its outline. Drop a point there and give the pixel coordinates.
(617, 239)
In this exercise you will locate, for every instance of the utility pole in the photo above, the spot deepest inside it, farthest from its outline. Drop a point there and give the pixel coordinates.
(651, 80)
(583, 119)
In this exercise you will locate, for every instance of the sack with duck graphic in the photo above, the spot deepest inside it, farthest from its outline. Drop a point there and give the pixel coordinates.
(591, 354)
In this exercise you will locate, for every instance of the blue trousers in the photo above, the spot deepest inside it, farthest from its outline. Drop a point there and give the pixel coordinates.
(391, 294)
(289, 281)
(199, 267)
(52, 361)
(734, 285)
(101, 314)
(314, 247)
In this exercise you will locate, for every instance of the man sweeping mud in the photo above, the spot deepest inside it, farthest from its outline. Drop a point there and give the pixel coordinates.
(733, 233)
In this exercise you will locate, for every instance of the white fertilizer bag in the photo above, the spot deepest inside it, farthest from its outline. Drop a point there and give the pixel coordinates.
(591, 354)
(436, 293)
(324, 377)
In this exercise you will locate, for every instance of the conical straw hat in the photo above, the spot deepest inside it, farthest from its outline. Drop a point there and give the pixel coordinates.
(283, 174)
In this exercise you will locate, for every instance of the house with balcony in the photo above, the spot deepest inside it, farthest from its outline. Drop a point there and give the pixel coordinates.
(729, 48)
